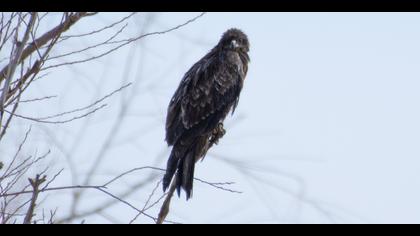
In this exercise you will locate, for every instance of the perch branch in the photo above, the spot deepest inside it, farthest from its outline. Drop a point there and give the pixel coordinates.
(164, 210)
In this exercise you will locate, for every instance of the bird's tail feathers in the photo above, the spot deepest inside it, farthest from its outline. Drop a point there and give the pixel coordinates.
(185, 174)
(171, 167)
(182, 160)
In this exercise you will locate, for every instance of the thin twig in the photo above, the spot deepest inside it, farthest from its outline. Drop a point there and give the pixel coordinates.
(97, 31)
(147, 202)
(124, 43)
(39, 120)
(47, 121)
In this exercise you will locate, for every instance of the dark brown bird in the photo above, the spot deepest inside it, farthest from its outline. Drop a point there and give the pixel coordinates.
(206, 94)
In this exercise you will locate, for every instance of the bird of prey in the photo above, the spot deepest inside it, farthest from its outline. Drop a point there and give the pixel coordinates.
(207, 93)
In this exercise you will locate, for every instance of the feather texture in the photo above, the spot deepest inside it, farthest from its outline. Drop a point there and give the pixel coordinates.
(205, 95)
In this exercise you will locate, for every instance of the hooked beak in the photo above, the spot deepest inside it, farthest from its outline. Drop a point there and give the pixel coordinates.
(234, 44)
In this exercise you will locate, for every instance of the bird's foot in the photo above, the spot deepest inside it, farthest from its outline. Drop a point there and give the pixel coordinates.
(217, 134)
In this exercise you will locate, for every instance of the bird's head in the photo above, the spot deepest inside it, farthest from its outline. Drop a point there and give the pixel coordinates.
(235, 39)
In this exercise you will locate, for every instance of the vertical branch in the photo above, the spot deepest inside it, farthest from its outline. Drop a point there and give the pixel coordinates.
(14, 63)
(35, 183)
(164, 210)
(15, 106)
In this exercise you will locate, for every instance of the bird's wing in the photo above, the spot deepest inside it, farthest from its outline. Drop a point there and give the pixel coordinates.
(174, 119)
(211, 89)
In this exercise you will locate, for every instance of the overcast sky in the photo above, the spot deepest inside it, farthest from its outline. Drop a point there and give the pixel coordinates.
(327, 128)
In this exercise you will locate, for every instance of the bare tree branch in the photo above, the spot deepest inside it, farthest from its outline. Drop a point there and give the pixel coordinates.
(28, 57)
(13, 64)
(124, 43)
(64, 26)
(35, 183)
(164, 210)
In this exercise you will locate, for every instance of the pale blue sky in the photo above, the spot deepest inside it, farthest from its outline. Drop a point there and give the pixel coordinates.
(327, 126)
